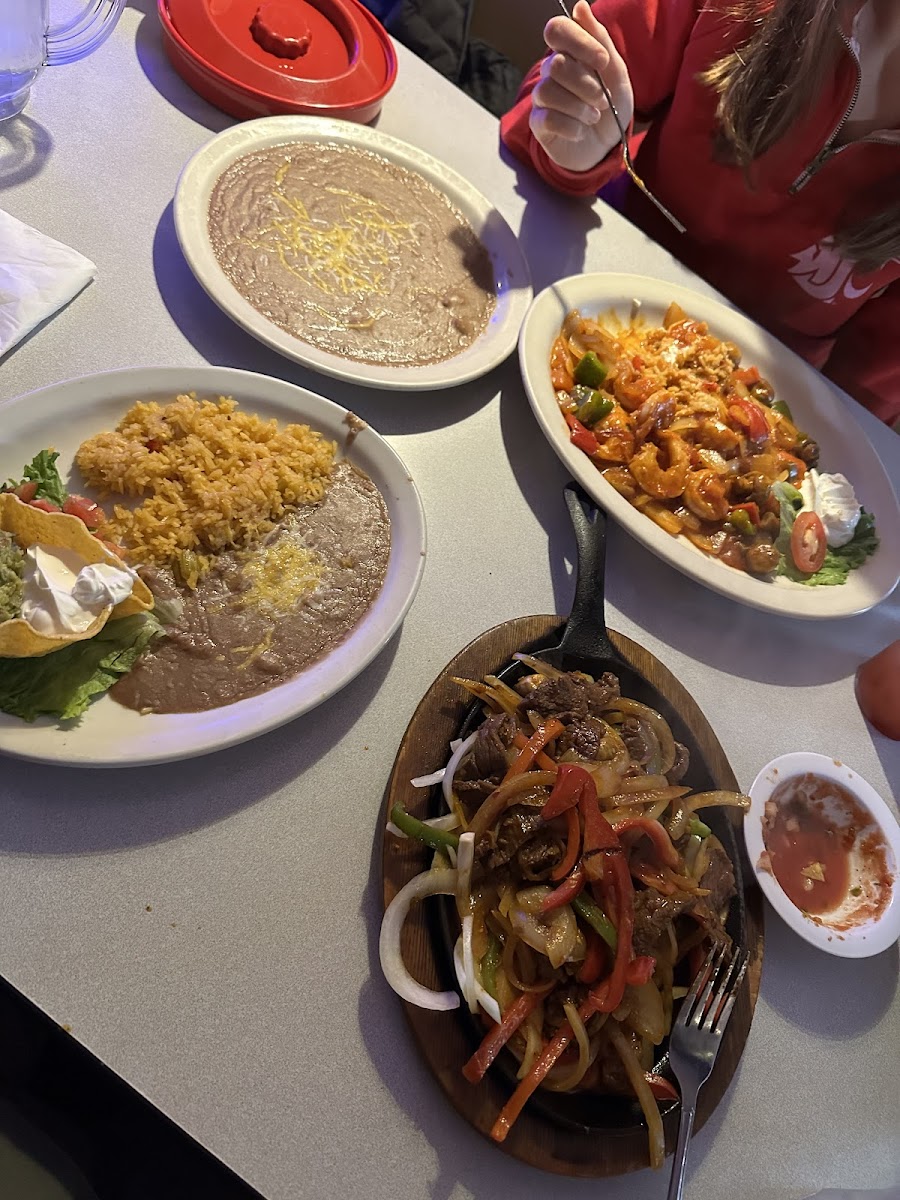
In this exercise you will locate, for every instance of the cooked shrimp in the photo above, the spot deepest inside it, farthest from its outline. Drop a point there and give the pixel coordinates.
(662, 484)
(632, 390)
(615, 436)
(704, 495)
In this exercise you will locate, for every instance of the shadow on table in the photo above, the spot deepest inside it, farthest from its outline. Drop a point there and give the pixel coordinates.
(221, 341)
(725, 635)
(163, 76)
(551, 258)
(25, 146)
(464, 1157)
(58, 810)
(541, 478)
(862, 989)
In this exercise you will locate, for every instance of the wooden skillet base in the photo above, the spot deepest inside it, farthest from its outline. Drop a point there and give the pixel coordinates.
(443, 1037)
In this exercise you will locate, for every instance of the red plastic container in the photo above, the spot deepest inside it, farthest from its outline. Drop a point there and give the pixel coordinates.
(256, 58)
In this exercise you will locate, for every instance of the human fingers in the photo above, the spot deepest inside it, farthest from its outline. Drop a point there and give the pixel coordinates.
(549, 124)
(552, 96)
(614, 70)
(583, 45)
(574, 77)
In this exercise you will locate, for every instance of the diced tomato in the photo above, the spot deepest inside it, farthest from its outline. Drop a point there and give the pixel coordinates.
(86, 510)
(709, 386)
(638, 363)
(796, 466)
(26, 491)
(750, 416)
(114, 549)
(747, 375)
(808, 543)
(44, 505)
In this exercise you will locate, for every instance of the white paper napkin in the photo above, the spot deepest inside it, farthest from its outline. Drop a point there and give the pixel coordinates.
(38, 275)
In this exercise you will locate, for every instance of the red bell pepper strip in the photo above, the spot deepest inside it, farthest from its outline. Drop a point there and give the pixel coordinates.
(601, 843)
(498, 1035)
(747, 375)
(542, 735)
(566, 791)
(573, 846)
(570, 887)
(640, 970)
(532, 1081)
(594, 960)
(541, 760)
(661, 1088)
(581, 436)
(750, 416)
(662, 843)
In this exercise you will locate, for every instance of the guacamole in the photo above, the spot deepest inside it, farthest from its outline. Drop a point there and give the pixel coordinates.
(11, 561)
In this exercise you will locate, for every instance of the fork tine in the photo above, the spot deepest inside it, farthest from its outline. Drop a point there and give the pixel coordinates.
(708, 1020)
(696, 1017)
(699, 979)
(722, 1020)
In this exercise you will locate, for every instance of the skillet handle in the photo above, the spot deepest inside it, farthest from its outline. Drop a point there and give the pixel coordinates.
(585, 634)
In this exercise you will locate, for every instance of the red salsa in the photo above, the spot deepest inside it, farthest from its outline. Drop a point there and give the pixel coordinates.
(810, 827)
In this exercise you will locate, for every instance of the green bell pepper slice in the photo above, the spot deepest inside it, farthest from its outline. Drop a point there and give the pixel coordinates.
(590, 370)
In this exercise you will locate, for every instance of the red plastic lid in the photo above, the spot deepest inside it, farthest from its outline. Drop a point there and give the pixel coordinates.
(256, 57)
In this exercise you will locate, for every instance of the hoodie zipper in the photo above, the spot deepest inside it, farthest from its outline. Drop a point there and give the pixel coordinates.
(826, 152)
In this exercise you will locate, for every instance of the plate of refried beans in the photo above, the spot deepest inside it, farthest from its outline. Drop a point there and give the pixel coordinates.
(352, 252)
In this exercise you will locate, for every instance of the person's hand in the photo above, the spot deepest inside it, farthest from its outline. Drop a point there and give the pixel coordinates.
(570, 116)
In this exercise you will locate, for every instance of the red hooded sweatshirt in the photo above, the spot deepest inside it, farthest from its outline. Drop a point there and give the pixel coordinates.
(766, 246)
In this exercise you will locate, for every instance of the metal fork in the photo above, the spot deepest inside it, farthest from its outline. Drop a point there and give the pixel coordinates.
(623, 136)
(695, 1040)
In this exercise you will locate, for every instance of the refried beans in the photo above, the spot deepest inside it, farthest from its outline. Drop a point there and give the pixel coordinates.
(259, 617)
(351, 253)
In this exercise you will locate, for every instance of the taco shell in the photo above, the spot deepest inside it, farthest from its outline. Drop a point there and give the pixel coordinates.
(30, 525)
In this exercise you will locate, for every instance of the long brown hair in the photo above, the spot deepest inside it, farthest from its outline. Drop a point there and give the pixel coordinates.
(767, 85)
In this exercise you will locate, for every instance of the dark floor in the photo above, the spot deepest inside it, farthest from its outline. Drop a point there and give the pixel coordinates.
(65, 1117)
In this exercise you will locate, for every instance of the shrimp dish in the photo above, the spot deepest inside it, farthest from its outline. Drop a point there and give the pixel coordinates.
(587, 887)
(701, 445)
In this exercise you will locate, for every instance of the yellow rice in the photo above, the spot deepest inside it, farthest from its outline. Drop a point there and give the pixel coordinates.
(211, 477)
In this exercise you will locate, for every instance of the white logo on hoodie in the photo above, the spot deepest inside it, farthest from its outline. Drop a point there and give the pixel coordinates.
(823, 274)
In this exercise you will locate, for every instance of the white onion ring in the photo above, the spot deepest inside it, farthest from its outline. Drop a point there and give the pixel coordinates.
(428, 883)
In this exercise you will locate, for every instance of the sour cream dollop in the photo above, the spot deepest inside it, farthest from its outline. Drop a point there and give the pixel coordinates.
(63, 593)
(832, 497)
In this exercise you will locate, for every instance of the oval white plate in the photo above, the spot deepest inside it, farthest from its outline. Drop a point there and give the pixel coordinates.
(511, 274)
(814, 403)
(860, 941)
(110, 735)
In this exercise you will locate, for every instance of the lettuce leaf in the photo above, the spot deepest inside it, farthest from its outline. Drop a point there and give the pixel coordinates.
(42, 471)
(62, 684)
(838, 563)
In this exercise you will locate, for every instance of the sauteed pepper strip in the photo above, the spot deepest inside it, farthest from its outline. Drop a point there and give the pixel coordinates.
(573, 846)
(662, 843)
(534, 746)
(604, 859)
(567, 891)
(497, 1037)
(566, 791)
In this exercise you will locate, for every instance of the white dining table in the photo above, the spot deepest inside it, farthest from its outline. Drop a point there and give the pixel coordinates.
(209, 928)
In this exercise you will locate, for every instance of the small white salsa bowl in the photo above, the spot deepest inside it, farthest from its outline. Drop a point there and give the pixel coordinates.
(845, 931)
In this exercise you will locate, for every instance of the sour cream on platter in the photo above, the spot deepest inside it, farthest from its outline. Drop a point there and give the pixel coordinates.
(833, 499)
(62, 593)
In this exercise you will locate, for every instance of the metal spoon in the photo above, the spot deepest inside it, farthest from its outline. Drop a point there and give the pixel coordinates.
(626, 153)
